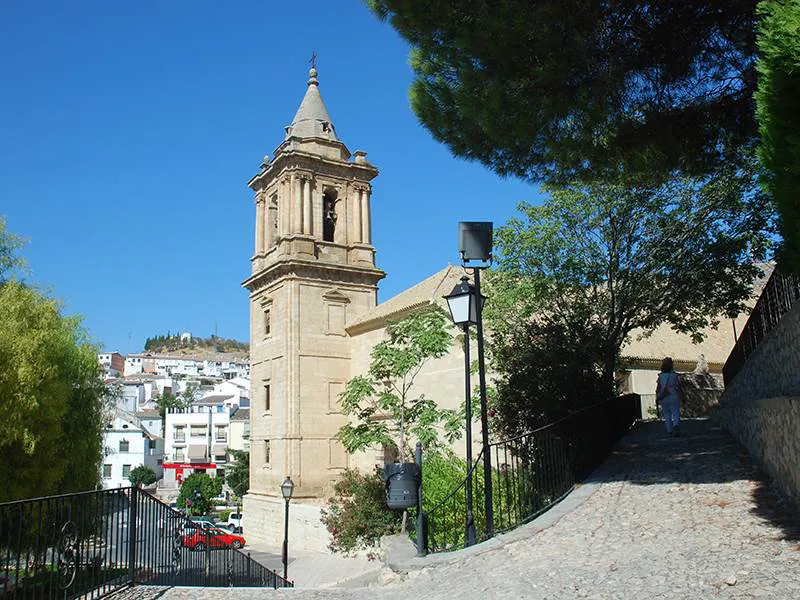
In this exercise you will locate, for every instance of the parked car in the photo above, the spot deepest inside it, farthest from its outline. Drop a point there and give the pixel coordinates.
(211, 537)
(235, 521)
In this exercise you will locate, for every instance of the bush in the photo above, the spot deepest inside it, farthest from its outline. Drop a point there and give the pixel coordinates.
(142, 475)
(224, 514)
(357, 516)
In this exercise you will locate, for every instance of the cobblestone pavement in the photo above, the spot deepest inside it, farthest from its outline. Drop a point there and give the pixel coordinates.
(668, 518)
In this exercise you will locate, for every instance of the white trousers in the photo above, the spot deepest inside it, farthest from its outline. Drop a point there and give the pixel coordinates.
(671, 410)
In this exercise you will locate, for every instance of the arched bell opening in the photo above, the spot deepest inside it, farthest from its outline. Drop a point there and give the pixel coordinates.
(329, 215)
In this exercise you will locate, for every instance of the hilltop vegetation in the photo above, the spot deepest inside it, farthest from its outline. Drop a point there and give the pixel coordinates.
(174, 344)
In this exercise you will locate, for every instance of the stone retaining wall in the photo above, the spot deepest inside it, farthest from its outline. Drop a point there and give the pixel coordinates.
(761, 406)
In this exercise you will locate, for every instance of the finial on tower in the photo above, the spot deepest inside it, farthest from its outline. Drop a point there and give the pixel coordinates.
(312, 73)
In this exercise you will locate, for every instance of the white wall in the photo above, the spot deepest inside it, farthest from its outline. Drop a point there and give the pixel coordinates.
(138, 453)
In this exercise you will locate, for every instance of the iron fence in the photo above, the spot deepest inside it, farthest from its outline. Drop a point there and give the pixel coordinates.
(777, 298)
(89, 544)
(531, 472)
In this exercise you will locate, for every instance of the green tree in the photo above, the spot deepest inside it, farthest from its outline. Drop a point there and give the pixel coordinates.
(561, 90)
(166, 400)
(197, 491)
(381, 403)
(10, 245)
(597, 262)
(51, 392)
(778, 115)
(237, 476)
(142, 475)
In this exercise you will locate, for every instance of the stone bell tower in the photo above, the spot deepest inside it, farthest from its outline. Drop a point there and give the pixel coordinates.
(313, 271)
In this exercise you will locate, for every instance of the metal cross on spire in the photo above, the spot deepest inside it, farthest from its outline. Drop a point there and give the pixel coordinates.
(313, 61)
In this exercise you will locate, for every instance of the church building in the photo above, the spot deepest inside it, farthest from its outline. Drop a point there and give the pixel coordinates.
(314, 319)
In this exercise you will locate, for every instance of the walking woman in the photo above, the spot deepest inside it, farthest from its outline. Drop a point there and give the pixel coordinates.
(668, 395)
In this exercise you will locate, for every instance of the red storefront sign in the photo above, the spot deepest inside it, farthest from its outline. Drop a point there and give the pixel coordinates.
(189, 466)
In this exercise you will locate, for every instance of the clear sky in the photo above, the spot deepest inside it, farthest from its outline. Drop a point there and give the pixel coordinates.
(128, 131)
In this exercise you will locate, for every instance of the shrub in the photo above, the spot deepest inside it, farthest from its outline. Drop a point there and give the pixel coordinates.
(142, 475)
(356, 515)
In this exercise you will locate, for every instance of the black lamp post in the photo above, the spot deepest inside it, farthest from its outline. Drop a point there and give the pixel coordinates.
(475, 244)
(287, 489)
(462, 302)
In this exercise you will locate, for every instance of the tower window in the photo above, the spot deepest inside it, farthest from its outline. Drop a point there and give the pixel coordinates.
(266, 452)
(267, 321)
(329, 215)
(267, 398)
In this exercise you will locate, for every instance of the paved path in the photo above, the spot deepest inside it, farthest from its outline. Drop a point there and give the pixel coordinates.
(662, 518)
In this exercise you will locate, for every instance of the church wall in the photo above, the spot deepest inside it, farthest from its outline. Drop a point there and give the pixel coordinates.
(440, 379)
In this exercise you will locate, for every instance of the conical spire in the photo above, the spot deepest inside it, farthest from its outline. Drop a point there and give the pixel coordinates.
(312, 119)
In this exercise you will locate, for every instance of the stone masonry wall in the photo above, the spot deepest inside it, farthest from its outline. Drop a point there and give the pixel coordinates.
(761, 406)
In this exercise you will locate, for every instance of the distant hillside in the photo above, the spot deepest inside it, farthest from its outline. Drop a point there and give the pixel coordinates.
(173, 344)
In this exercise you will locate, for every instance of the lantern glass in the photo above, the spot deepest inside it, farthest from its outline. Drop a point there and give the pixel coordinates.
(287, 488)
(461, 302)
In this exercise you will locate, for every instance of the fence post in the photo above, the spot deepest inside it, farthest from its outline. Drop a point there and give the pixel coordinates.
(422, 531)
(133, 515)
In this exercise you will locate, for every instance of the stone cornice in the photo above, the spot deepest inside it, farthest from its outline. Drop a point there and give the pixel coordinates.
(313, 270)
(317, 164)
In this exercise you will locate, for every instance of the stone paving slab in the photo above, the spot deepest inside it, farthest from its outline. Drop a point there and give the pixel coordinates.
(668, 518)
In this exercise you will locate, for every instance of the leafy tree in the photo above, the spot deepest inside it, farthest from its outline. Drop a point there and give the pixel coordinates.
(600, 261)
(166, 400)
(779, 116)
(197, 491)
(237, 476)
(384, 409)
(142, 475)
(558, 91)
(10, 244)
(51, 392)
(545, 370)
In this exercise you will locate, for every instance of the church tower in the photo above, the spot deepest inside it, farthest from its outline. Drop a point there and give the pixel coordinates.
(313, 271)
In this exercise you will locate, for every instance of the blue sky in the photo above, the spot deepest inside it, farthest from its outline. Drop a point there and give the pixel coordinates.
(128, 131)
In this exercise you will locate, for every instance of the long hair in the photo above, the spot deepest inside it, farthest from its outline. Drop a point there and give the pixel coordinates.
(666, 365)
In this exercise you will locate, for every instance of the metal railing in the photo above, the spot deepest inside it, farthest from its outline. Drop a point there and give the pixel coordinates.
(531, 472)
(777, 298)
(89, 544)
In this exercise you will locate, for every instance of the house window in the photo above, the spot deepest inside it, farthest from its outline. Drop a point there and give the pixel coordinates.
(267, 321)
(267, 398)
(246, 431)
(198, 431)
(179, 456)
(266, 452)
(180, 433)
(106, 471)
(126, 470)
(151, 444)
(124, 446)
(222, 433)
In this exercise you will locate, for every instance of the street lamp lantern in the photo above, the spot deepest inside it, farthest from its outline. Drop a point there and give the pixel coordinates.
(287, 488)
(466, 307)
(463, 303)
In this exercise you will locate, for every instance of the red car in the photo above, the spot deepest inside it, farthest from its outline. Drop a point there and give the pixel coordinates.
(198, 539)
